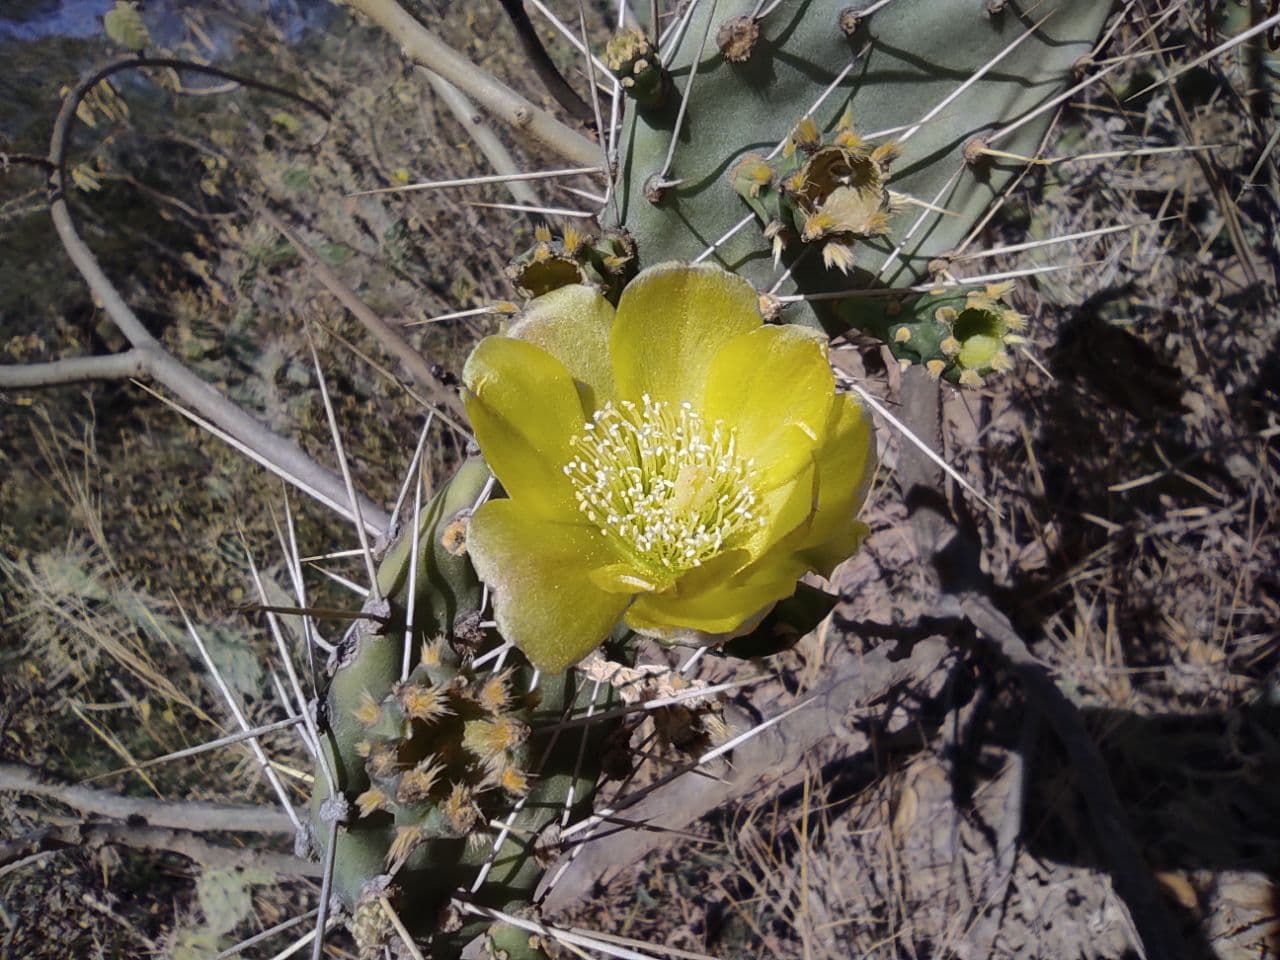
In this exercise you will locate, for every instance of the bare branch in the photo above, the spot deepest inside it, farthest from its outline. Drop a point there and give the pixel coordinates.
(499, 158)
(963, 592)
(542, 63)
(412, 361)
(424, 47)
(192, 815)
(90, 836)
(1129, 872)
(114, 366)
(162, 366)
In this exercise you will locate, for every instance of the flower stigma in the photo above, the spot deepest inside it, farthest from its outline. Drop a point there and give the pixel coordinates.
(669, 488)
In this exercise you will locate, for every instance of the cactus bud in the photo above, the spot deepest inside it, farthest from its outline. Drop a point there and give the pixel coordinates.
(750, 175)
(737, 38)
(632, 59)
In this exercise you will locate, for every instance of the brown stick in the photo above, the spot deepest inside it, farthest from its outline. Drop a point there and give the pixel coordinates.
(413, 362)
(192, 815)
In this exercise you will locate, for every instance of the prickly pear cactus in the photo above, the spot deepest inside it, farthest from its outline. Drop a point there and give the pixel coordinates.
(834, 158)
(866, 186)
(962, 335)
(575, 256)
(437, 771)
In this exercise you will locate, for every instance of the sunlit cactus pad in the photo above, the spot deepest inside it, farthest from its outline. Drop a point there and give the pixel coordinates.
(449, 774)
(927, 80)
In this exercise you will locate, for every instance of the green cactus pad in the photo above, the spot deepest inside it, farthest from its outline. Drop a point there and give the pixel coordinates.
(907, 58)
(453, 770)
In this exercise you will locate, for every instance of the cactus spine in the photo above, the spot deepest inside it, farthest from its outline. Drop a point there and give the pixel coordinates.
(871, 189)
(840, 150)
(453, 767)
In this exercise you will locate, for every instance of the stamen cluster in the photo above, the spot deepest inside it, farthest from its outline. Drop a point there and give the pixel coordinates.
(669, 487)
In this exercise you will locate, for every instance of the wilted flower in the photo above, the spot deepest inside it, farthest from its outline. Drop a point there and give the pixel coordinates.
(676, 464)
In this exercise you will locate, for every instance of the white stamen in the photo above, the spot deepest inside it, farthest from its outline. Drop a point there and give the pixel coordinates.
(671, 488)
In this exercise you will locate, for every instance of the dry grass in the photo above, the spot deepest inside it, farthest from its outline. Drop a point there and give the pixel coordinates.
(114, 513)
(1134, 467)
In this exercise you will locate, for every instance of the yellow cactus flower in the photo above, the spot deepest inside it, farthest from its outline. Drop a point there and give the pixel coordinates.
(675, 464)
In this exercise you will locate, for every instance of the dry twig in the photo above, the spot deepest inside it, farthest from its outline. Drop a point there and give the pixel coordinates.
(963, 593)
(191, 815)
(148, 354)
(424, 47)
(89, 836)
(412, 361)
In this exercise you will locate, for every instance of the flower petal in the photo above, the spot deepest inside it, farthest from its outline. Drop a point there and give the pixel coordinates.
(572, 324)
(773, 386)
(712, 599)
(813, 518)
(672, 319)
(846, 464)
(626, 577)
(544, 600)
(786, 508)
(524, 409)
